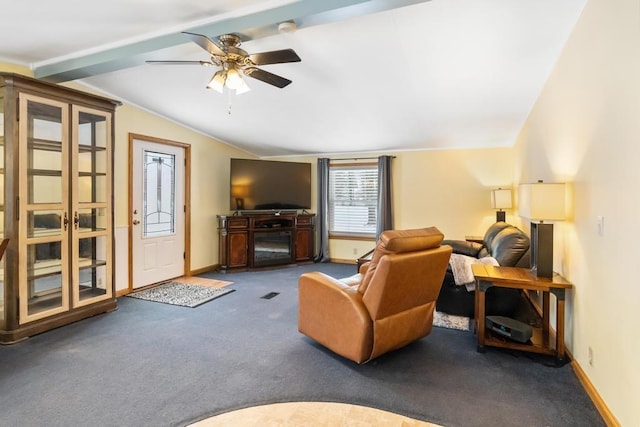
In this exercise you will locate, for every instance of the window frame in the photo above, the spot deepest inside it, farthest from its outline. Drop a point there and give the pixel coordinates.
(346, 235)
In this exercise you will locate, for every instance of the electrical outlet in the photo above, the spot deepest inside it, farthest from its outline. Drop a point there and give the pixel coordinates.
(590, 355)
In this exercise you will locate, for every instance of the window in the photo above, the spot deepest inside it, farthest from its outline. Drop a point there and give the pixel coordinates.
(159, 194)
(353, 199)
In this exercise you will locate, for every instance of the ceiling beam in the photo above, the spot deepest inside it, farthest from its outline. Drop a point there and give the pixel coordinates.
(132, 55)
(304, 12)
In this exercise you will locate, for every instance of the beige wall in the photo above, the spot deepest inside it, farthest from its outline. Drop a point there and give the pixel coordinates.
(585, 129)
(13, 68)
(209, 177)
(449, 189)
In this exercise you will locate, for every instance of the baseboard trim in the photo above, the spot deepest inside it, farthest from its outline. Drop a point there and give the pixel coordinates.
(588, 386)
(122, 292)
(597, 400)
(343, 261)
(204, 269)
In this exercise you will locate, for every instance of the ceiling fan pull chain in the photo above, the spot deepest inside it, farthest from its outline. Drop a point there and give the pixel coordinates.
(229, 101)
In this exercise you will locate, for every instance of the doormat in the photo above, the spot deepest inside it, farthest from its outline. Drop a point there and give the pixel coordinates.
(449, 321)
(182, 294)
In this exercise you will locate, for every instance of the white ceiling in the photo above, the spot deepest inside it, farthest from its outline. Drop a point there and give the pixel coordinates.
(375, 75)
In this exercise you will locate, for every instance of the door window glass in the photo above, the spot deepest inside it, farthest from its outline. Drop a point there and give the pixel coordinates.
(158, 194)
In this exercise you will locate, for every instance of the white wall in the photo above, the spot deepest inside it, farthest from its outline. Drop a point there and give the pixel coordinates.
(585, 129)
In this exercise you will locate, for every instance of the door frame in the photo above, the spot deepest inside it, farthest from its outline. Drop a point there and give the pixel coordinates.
(187, 199)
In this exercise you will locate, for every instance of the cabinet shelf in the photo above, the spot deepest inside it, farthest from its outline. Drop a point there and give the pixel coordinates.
(51, 268)
(43, 172)
(42, 303)
(45, 145)
(44, 232)
(93, 264)
(90, 148)
(45, 269)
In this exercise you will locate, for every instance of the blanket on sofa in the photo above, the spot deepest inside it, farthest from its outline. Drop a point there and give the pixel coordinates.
(461, 269)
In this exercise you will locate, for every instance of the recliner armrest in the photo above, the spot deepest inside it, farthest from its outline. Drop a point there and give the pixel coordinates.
(464, 247)
(364, 267)
(334, 315)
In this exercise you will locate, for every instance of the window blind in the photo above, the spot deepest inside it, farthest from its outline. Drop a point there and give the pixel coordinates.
(353, 199)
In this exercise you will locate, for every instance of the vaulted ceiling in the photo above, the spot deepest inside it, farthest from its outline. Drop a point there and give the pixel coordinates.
(375, 75)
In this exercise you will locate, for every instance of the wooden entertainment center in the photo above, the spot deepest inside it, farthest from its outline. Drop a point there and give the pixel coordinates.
(258, 240)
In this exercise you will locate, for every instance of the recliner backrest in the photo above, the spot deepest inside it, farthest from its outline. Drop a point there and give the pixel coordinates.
(403, 287)
(508, 246)
(406, 280)
(400, 241)
(492, 231)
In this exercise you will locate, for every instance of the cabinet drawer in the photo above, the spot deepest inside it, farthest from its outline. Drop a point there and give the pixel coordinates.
(304, 220)
(237, 223)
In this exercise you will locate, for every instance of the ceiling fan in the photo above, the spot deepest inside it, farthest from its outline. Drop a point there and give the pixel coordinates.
(235, 62)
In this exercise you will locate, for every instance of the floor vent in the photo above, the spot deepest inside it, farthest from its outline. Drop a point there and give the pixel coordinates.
(270, 295)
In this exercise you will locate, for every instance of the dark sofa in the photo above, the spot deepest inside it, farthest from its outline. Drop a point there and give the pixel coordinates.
(510, 247)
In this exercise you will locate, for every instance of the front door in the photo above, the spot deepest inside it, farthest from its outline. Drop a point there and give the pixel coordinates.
(158, 212)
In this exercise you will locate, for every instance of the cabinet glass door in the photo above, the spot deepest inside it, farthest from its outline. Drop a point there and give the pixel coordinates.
(91, 193)
(43, 217)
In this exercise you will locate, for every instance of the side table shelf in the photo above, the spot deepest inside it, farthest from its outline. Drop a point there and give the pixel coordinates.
(520, 278)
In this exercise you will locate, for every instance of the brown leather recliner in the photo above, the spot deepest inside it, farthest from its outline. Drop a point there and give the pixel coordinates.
(392, 305)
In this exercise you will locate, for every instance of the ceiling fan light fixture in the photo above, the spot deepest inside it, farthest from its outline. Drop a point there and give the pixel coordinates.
(234, 79)
(218, 80)
(244, 88)
(236, 63)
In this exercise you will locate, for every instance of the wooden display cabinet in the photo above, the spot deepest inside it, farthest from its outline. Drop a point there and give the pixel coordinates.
(57, 177)
(261, 240)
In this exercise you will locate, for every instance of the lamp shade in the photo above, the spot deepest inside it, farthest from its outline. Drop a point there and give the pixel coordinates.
(501, 198)
(542, 201)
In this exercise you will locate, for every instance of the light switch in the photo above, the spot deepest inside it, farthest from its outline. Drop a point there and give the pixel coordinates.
(600, 221)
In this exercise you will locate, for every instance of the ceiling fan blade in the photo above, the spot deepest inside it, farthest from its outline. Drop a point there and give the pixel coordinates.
(206, 43)
(266, 77)
(205, 63)
(275, 57)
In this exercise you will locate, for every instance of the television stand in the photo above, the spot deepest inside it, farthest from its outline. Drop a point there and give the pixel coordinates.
(258, 240)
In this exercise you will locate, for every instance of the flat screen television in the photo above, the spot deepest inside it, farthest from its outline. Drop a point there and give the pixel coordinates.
(269, 185)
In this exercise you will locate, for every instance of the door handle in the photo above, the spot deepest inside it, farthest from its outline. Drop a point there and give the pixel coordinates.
(136, 222)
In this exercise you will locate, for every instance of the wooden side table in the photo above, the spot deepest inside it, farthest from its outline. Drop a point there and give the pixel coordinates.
(520, 278)
(364, 259)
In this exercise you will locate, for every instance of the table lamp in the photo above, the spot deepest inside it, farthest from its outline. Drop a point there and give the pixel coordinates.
(501, 199)
(541, 202)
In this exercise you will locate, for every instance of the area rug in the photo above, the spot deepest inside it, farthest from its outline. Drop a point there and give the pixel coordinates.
(182, 294)
(311, 414)
(449, 321)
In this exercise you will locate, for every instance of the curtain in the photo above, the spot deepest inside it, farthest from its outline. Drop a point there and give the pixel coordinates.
(385, 212)
(322, 225)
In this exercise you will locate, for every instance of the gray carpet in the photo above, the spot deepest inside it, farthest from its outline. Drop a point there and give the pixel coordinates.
(161, 365)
